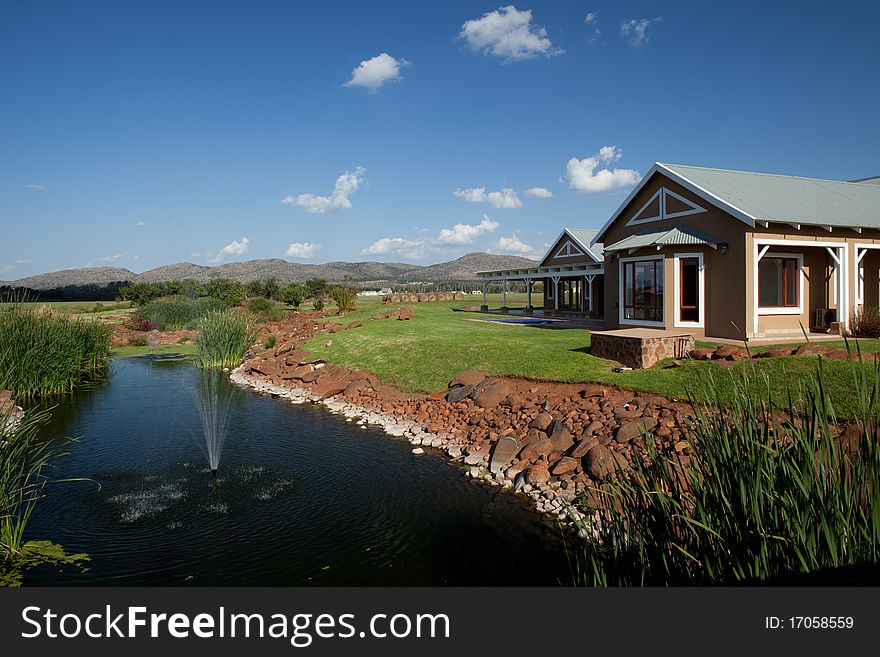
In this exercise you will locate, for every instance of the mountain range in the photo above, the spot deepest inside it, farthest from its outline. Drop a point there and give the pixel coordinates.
(366, 273)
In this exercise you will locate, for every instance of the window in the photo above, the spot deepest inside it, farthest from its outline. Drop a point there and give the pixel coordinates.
(689, 290)
(643, 290)
(778, 282)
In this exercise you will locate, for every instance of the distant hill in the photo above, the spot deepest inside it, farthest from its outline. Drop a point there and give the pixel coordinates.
(74, 277)
(462, 269)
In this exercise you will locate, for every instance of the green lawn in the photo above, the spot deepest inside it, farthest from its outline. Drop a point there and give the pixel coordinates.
(425, 353)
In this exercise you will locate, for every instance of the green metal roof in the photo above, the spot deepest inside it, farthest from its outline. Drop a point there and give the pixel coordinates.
(585, 236)
(789, 199)
(673, 237)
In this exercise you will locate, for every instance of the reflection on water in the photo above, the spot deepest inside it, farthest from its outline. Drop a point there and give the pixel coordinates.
(302, 497)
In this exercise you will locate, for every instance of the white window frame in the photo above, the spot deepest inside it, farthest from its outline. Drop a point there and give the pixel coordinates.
(860, 270)
(783, 310)
(620, 294)
(676, 290)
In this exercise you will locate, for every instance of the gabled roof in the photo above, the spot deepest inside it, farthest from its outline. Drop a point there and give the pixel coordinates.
(762, 197)
(583, 237)
(678, 236)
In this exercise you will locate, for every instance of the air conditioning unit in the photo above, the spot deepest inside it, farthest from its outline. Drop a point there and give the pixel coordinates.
(824, 317)
(819, 321)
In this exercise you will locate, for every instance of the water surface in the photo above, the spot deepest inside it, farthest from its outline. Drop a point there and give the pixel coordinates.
(303, 498)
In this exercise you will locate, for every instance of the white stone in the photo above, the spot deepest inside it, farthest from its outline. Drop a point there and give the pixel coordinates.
(418, 450)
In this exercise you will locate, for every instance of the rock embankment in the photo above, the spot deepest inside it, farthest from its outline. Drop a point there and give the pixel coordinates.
(552, 442)
(10, 414)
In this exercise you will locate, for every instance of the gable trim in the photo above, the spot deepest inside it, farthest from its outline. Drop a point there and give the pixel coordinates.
(571, 250)
(704, 194)
(565, 232)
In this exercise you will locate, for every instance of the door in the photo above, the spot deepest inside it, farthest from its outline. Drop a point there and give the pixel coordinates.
(690, 294)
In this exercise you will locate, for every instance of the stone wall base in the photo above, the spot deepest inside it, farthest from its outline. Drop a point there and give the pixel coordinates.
(638, 352)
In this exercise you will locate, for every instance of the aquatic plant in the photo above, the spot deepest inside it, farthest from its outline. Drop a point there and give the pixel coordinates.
(224, 337)
(43, 352)
(767, 494)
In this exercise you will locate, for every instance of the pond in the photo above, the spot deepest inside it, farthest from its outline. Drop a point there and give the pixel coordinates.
(303, 497)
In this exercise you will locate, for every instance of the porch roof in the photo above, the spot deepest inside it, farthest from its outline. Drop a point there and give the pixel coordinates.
(561, 271)
(679, 236)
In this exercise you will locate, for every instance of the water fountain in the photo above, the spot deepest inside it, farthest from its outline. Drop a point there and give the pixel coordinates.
(213, 398)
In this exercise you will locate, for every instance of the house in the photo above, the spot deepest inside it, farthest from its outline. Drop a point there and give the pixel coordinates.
(741, 255)
(571, 273)
(716, 253)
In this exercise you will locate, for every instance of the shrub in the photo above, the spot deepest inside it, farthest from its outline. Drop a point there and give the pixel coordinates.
(318, 303)
(137, 341)
(42, 352)
(224, 338)
(264, 309)
(269, 342)
(758, 501)
(344, 298)
(865, 322)
(315, 287)
(256, 289)
(294, 294)
(177, 312)
(226, 290)
(272, 289)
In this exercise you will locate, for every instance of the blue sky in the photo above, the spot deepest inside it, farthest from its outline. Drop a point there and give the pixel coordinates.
(143, 133)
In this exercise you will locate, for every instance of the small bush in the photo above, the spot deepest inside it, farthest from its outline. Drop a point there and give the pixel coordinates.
(137, 341)
(294, 294)
(318, 303)
(98, 308)
(269, 342)
(264, 309)
(344, 298)
(177, 312)
(224, 338)
(866, 322)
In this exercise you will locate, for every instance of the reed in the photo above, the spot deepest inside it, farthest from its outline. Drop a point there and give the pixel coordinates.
(43, 352)
(224, 338)
(769, 494)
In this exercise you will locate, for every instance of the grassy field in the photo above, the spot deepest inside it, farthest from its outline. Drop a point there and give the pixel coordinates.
(425, 353)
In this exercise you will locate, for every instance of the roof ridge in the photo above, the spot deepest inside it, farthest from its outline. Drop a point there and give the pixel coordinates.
(764, 173)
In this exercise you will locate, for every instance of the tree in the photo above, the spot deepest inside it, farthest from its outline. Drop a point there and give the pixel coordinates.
(316, 288)
(228, 291)
(272, 289)
(344, 298)
(294, 294)
(256, 289)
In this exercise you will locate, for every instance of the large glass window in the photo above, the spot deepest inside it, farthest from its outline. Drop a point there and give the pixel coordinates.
(778, 282)
(643, 290)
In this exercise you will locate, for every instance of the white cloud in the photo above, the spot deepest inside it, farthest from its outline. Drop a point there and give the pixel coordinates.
(22, 261)
(137, 257)
(508, 33)
(466, 233)
(196, 254)
(636, 30)
(513, 244)
(34, 186)
(140, 224)
(235, 247)
(539, 192)
(373, 73)
(592, 20)
(583, 176)
(503, 199)
(112, 258)
(412, 249)
(302, 249)
(346, 184)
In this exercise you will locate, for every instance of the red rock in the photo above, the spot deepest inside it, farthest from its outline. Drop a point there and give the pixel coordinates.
(807, 350)
(536, 449)
(701, 354)
(560, 437)
(405, 313)
(492, 395)
(564, 465)
(297, 372)
(541, 422)
(580, 450)
(538, 473)
(379, 316)
(600, 462)
(467, 378)
(329, 388)
(730, 352)
(774, 352)
(355, 324)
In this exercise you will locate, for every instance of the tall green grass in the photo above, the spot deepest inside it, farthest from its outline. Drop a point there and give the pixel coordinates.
(176, 312)
(770, 494)
(224, 338)
(43, 353)
(22, 459)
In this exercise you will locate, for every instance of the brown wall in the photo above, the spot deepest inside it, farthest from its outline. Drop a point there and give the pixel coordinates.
(724, 274)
